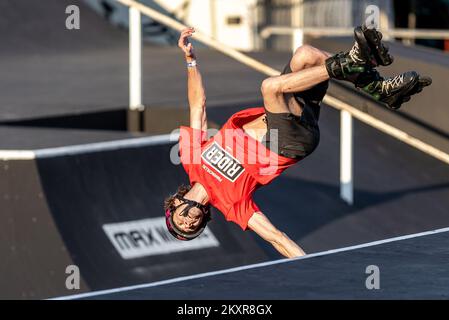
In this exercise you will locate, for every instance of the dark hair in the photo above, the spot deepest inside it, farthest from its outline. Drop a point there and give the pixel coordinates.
(169, 202)
(170, 207)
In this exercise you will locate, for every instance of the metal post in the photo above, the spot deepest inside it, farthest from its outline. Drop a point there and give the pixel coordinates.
(135, 71)
(298, 39)
(297, 13)
(346, 158)
(213, 18)
(412, 18)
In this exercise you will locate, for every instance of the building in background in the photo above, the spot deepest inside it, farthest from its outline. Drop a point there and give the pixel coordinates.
(233, 22)
(424, 14)
(238, 23)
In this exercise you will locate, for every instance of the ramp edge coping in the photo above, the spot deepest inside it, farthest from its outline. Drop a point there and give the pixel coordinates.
(9, 155)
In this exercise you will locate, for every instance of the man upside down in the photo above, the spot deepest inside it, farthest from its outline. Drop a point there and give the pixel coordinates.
(256, 145)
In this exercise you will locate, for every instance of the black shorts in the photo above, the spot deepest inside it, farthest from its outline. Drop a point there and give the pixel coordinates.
(297, 137)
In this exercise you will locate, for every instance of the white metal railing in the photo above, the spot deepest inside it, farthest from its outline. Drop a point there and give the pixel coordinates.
(321, 32)
(347, 111)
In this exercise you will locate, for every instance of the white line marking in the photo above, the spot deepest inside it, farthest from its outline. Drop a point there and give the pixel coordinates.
(89, 147)
(252, 266)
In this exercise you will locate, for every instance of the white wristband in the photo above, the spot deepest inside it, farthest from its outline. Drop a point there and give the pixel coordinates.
(191, 64)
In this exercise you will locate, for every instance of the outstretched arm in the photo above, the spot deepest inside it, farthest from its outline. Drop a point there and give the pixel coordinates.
(260, 224)
(196, 95)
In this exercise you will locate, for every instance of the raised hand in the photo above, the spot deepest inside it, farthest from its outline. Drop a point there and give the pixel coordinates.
(185, 44)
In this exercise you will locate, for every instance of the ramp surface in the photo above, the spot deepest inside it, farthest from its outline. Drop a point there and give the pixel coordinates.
(410, 268)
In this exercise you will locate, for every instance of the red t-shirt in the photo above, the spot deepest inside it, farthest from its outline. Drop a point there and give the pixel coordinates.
(231, 165)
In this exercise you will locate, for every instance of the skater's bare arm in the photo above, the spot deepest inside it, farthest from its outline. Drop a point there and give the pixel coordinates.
(260, 224)
(196, 94)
